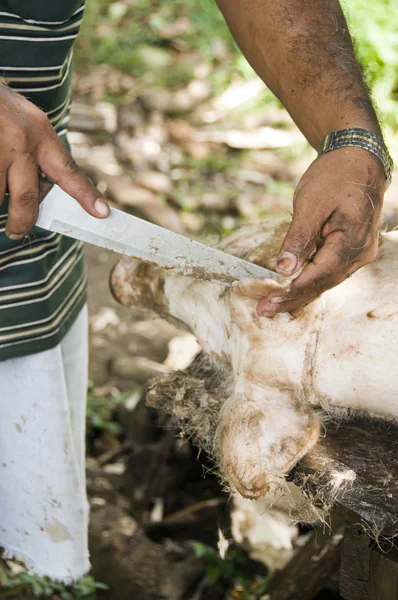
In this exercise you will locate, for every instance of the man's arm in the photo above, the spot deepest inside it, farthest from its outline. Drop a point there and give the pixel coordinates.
(303, 51)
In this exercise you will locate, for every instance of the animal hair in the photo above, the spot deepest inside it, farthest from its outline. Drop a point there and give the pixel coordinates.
(195, 397)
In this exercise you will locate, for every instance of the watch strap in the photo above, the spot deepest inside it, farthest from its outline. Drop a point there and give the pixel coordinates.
(360, 138)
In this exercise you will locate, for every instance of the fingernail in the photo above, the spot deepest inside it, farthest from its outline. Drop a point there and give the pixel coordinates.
(287, 263)
(101, 207)
(14, 236)
(267, 315)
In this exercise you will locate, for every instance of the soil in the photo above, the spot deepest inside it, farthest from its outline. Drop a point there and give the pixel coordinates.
(152, 495)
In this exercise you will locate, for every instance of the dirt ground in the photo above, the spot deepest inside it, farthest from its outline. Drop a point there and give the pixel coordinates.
(102, 304)
(147, 490)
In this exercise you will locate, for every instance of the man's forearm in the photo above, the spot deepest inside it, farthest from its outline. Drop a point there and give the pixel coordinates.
(303, 51)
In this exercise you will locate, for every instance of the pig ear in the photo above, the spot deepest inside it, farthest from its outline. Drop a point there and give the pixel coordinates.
(258, 288)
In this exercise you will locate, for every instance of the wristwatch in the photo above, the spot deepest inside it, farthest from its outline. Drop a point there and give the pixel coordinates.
(361, 138)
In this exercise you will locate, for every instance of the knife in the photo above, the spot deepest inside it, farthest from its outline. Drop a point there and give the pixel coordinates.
(134, 237)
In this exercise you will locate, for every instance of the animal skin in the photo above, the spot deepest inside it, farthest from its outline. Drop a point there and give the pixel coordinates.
(250, 398)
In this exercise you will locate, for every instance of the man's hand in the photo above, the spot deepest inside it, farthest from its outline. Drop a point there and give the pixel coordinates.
(337, 207)
(304, 53)
(29, 144)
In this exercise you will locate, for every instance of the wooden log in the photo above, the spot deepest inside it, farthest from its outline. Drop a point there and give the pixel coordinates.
(355, 468)
(367, 573)
(311, 566)
(355, 561)
(383, 580)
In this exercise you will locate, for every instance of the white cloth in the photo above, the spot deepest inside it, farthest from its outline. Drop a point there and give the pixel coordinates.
(43, 504)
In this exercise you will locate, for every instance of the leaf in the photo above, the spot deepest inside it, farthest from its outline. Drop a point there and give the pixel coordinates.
(213, 574)
(200, 550)
(101, 586)
(37, 588)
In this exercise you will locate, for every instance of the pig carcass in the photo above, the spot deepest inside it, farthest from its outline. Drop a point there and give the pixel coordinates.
(251, 397)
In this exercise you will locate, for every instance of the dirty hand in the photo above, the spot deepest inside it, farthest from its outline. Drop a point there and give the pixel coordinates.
(30, 145)
(337, 206)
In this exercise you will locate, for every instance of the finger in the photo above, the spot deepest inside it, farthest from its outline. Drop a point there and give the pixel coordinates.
(295, 301)
(3, 182)
(23, 186)
(44, 187)
(56, 162)
(327, 270)
(299, 243)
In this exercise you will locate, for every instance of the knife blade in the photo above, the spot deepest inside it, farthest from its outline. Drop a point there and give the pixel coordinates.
(134, 237)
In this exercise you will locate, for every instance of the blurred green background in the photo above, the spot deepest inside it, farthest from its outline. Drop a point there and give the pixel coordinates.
(144, 37)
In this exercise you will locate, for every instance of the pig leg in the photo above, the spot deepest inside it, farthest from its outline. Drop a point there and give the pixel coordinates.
(262, 433)
(265, 426)
(197, 305)
(139, 285)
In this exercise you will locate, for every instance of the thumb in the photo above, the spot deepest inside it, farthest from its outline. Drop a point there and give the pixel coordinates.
(297, 247)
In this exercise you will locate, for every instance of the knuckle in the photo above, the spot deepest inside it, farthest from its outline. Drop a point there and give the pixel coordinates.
(348, 254)
(29, 159)
(372, 241)
(369, 239)
(371, 254)
(40, 118)
(43, 119)
(328, 285)
(28, 198)
(367, 252)
(322, 285)
(70, 167)
(20, 139)
(324, 281)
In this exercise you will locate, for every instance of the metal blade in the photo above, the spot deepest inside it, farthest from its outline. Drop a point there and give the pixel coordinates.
(132, 236)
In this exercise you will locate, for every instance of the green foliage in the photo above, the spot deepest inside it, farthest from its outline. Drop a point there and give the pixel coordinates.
(234, 572)
(21, 584)
(213, 164)
(100, 412)
(374, 26)
(134, 37)
(280, 188)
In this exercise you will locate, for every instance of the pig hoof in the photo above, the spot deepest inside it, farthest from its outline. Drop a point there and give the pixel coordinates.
(252, 486)
(140, 285)
(256, 449)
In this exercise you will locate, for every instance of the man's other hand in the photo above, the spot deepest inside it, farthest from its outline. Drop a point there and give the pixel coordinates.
(335, 227)
(30, 145)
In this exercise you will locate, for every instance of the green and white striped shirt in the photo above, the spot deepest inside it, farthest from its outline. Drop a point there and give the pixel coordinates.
(42, 278)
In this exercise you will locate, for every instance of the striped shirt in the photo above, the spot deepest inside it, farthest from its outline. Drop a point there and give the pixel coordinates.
(42, 278)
